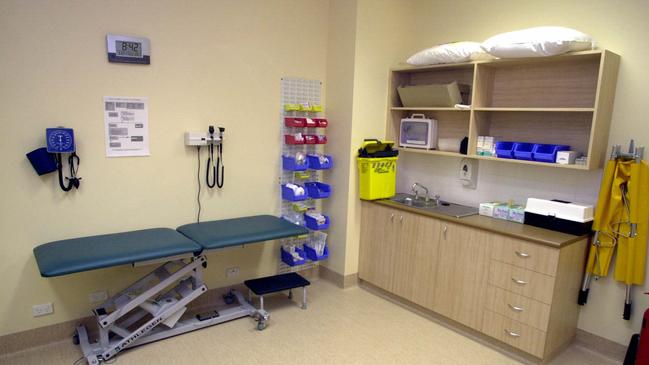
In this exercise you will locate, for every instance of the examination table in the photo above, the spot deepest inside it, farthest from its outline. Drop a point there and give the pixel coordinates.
(151, 308)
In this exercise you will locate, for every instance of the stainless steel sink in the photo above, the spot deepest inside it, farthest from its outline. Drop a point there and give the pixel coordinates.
(446, 208)
(411, 201)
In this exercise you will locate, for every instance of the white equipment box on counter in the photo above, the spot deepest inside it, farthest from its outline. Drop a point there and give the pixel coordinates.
(559, 215)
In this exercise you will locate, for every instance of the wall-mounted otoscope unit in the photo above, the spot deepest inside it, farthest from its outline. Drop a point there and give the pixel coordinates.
(213, 140)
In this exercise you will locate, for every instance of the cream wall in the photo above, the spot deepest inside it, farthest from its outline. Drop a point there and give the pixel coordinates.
(618, 26)
(341, 46)
(239, 52)
(383, 36)
(213, 62)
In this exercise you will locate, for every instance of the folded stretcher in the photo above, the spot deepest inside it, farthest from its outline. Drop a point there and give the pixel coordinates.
(152, 308)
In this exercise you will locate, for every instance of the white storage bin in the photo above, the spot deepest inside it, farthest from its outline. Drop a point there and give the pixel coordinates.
(575, 212)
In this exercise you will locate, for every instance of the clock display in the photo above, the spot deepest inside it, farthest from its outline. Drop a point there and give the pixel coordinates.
(128, 49)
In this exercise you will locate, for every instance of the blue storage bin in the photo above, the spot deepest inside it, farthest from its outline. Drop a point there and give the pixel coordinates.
(505, 149)
(314, 162)
(289, 163)
(524, 151)
(313, 256)
(313, 224)
(318, 190)
(288, 259)
(548, 152)
(287, 194)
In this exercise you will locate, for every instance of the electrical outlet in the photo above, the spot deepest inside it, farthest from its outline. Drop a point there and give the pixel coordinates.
(42, 309)
(98, 296)
(231, 272)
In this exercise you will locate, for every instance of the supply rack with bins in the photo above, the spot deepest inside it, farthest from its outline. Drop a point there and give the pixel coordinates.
(302, 113)
(565, 99)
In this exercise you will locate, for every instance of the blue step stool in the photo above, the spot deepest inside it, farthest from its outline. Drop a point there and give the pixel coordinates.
(277, 283)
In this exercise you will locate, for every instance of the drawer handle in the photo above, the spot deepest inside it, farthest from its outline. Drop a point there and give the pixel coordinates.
(401, 218)
(519, 282)
(522, 254)
(515, 308)
(392, 217)
(513, 334)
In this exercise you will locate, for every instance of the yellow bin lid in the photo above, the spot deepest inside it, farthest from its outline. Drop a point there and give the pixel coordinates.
(376, 148)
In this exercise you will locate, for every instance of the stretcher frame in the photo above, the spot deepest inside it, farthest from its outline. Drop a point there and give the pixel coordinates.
(149, 296)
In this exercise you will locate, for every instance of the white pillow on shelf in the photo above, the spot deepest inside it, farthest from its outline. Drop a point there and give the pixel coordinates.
(538, 42)
(446, 53)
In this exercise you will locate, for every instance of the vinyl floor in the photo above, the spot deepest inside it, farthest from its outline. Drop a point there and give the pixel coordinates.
(350, 326)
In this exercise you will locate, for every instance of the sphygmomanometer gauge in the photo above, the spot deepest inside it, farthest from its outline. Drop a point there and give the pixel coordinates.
(60, 140)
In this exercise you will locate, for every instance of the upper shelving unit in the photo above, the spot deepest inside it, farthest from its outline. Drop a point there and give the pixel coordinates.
(429, 109)
(565, 99)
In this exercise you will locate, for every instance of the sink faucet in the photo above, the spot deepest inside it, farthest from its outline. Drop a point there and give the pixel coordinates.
(437, 201)
(415, 191)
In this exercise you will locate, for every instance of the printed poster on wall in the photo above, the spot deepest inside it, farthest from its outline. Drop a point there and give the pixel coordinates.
(126, 122)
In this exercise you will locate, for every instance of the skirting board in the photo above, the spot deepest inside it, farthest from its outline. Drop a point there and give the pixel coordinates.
(341, 281)
(63, 331)
(600, 345)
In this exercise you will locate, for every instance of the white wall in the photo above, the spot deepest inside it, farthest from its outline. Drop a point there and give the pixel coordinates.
(496, 181)
(213, 62)
(618, 26)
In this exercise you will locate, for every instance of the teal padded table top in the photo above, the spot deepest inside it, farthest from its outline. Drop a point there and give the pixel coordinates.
(95, 252)
(238, 231)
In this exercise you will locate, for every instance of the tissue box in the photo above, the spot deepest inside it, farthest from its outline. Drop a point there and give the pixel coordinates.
(516, 214)
(488, 208)
(501, 212)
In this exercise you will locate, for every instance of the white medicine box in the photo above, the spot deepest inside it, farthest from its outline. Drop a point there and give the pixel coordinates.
(566, 157)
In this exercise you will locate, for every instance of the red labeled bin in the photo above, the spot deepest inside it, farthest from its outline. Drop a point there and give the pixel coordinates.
(295, 122)
(310, 139)
(293, 139)
(321, 122)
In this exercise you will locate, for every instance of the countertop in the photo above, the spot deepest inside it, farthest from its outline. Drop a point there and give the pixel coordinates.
(523, 231)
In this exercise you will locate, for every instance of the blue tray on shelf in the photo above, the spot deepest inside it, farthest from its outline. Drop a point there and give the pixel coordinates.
(311, 223)
(548, 152)
(313, 256)
(289, 163)
(287, 194)
(524, 151)
(314, 162)
(317, 190)
(288, 259)
(505, 149)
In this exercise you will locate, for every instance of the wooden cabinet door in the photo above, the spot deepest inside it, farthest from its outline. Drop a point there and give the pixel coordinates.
(415, 258)
(378, 234)
(463, 268)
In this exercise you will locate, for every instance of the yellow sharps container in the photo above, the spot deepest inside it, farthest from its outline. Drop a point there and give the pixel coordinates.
(377, 169)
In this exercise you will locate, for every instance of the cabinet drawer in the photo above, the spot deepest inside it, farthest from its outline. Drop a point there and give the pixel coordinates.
(524, 254)
(513, 306)
(521, 281)
(514, 333)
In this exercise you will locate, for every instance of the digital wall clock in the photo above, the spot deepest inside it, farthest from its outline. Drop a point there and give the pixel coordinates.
(127, 49)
